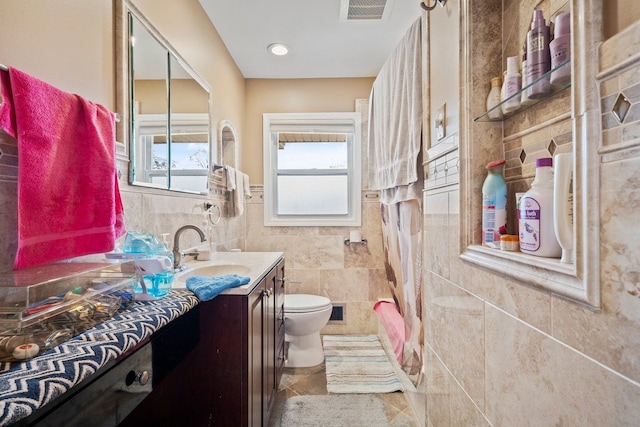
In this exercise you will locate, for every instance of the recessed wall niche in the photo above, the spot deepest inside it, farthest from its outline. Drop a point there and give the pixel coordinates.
(228, 143)
(568, 122)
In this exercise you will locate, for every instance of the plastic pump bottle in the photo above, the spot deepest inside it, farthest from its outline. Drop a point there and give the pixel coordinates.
(494, 205)
(537, 234)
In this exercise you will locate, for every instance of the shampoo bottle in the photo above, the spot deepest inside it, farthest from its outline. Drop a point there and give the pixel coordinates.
(524, 99)
(560, 48)
(537, 234)
(538, 57)
(494, 205)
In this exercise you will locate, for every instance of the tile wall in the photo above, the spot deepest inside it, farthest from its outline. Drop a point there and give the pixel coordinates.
(318, 261)
(501, 353)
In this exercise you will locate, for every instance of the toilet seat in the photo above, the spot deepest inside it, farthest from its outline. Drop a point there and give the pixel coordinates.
(304, 303)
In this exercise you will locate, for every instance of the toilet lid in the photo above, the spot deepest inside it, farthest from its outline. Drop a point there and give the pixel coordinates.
(304, 302)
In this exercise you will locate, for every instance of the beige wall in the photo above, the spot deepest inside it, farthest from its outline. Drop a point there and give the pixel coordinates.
(68, 45)
(292, 96)
(619, 14)
(188, 29)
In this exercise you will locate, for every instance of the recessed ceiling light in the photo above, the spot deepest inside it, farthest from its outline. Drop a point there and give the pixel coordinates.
(278, 49)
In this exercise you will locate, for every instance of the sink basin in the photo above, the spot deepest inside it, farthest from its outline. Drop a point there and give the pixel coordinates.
(252, 264)
(214, 270)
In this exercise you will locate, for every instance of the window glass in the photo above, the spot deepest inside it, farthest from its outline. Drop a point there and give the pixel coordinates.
(312, 169)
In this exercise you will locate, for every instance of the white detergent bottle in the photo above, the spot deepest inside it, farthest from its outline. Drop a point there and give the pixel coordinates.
(537, 234)
(563, 204)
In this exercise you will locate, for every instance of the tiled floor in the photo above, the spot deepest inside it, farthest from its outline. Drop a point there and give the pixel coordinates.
(312, 381)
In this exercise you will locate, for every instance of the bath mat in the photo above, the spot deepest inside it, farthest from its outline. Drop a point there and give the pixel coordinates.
(358, 364)
(324, 410)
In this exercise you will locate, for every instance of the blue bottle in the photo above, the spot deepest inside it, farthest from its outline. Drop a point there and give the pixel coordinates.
(494, 205)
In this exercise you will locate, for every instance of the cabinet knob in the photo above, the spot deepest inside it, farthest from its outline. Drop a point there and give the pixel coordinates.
(141, 378)
(268, 292)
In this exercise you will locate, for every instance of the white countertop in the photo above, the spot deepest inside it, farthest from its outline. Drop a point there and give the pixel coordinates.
(256, 265)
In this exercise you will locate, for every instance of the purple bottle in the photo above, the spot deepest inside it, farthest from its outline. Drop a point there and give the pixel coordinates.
(538, 57)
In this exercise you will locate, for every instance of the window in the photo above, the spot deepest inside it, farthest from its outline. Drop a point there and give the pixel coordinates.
(182, 162)
(312, 169)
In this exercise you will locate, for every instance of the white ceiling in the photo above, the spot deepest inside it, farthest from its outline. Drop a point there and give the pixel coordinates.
(321, 45)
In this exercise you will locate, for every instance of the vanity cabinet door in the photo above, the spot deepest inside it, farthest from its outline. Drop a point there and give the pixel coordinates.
(255, 303)
(279, 323)
(269, 345)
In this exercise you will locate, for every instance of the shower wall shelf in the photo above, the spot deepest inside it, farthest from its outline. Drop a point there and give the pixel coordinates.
(484, 117)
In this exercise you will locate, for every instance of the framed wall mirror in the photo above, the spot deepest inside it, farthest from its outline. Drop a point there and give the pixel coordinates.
(167, 105)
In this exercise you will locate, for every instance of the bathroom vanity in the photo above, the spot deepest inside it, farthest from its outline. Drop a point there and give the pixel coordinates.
(232, 376)
(174, 361)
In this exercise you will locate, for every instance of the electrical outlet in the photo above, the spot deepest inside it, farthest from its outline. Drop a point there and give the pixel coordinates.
(440, 122)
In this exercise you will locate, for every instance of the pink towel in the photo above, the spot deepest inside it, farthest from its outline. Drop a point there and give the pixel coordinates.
(393, 324)
(68, 198)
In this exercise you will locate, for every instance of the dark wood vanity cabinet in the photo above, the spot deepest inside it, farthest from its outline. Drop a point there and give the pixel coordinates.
(231, 377)
(246, 381)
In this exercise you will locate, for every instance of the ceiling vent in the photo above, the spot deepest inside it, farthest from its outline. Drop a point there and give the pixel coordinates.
(364, 10)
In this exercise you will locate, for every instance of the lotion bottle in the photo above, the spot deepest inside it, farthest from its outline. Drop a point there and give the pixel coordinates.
(494, 99)
(537, 233)
(513, 84)
(524, 99)
(538, 57)
(560, 48)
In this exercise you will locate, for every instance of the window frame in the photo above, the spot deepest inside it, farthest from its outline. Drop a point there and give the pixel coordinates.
(318, 122)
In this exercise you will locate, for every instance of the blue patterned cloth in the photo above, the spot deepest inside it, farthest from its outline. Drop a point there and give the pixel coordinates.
(26, 387)
(207, 288)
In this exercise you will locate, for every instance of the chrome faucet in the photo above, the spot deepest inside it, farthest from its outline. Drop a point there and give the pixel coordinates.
(177, 253)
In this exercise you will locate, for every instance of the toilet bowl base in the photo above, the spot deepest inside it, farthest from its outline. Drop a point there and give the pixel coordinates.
(304, 351)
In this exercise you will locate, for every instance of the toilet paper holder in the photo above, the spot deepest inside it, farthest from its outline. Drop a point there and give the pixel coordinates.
(355, 237)
(348, 242)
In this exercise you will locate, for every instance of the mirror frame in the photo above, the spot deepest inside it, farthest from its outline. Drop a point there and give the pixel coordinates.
(124, 106)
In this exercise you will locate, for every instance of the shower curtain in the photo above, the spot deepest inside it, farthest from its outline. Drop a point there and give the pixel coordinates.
(395, 131)
(402, 238)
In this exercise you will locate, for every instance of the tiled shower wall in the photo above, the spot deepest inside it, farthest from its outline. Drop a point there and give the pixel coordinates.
(501, 353)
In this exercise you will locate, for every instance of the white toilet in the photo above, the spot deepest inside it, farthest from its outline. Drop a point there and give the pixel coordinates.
(304, 316)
